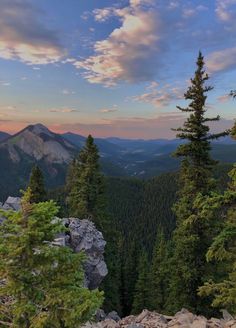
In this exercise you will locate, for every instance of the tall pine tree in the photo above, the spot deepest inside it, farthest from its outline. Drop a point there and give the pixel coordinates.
(85, 183)
(36, 185)
(192, 237)
(223, 248)
(86, 199)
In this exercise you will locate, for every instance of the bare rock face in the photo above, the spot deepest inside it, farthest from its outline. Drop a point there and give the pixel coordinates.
(82, 235)
(38, 142)
(182, 319)
(12, 203)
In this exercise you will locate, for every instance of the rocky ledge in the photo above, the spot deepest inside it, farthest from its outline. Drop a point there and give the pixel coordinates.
(182, 319)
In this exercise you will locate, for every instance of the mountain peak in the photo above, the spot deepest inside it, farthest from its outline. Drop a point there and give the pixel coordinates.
(38, 129)
(40, 144)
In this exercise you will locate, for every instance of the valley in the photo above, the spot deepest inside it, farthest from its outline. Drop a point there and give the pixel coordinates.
(142, 159)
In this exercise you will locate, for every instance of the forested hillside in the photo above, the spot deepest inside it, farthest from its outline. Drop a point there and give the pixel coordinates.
(138, 209)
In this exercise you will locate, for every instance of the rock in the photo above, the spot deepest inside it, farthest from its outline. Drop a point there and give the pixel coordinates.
(230, 324)
(182, 319)
(226, 315)
(114, 316)
(127, 321)
(12, 203)
(100, 315)
(108, 323)
(82, 235)
(142, 315)
(200, 322)
(215, 323)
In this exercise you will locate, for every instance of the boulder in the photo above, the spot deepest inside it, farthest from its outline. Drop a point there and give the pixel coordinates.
(83, 236)
(114, 316)
(100, 315)
(182, 319)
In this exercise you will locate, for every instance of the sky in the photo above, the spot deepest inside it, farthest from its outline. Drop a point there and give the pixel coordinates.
(113, 68)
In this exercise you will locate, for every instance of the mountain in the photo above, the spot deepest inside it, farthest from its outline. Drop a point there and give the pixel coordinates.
(119, 157)
(148, 158)
(52, 152)
(37, 142)
(33, 145)
(3, 136)
(106, 148)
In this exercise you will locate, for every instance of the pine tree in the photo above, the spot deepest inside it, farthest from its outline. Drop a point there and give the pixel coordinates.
(141, 293)
(86, 199)
(129, 273)
(196, 166)
(192, 236)
(85, 183)
(43, 284)
(223, 248)
(159, 274)
(36, 184)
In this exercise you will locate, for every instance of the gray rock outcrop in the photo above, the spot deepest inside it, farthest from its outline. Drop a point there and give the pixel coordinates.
(82, 235)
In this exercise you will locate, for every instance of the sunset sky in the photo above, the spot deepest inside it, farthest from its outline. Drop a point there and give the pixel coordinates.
(112, 68)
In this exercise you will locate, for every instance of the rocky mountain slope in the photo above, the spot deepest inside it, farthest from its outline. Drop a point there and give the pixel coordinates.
(37, 142)
(33, 145)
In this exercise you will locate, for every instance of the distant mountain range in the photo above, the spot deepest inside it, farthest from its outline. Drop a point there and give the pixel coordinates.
(3, 136)
(119, 157)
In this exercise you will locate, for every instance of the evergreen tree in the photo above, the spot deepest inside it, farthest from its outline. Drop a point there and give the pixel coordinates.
(86, 199)
(43, 284)
(129, 274)
(36, 184)
(159, 274)
(141, 293)
(192, 235)
(223, 248)
(85, 183)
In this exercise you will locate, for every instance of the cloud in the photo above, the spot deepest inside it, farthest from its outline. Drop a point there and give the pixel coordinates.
(221, 60)
(8, 108)
(224, 98)
(131, 51)
(224, 10)
(67, 92)
(5, 83)
(188, 12)
(141, 47)
(63, 110)
(101, 15)
(24, 37)
(108, 110)
(136, 127)
(159, 97)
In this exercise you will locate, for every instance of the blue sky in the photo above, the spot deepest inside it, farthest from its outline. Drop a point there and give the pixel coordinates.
(112, 68)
